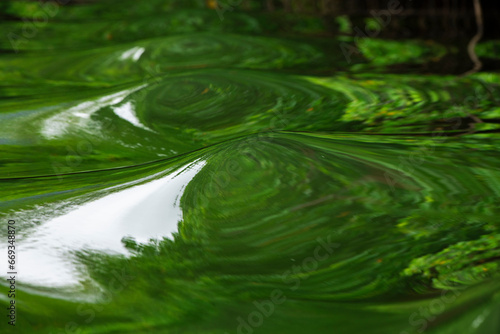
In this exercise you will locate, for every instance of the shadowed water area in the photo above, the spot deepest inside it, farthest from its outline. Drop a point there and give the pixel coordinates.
(172, 172)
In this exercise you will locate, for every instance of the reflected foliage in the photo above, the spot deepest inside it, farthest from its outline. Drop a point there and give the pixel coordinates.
(356, 191)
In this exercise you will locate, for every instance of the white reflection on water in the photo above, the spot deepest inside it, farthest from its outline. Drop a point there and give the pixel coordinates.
(146, 211)
(79, 117)
(126, 112)
(134, 53)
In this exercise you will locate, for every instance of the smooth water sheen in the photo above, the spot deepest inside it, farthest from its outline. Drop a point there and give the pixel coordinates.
(173, 173)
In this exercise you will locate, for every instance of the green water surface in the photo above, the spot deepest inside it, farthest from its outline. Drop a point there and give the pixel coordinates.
(172, 172)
